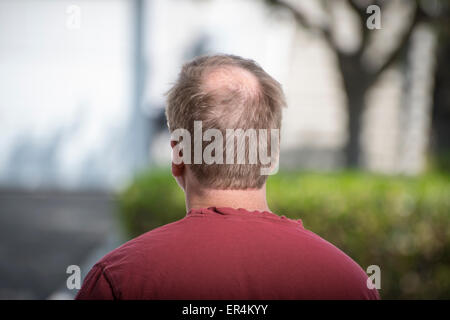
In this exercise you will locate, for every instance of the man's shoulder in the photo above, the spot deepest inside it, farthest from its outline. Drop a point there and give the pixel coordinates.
(141, 247)
(331, 253)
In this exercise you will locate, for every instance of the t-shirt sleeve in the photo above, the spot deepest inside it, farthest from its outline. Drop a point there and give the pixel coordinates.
(96, 286)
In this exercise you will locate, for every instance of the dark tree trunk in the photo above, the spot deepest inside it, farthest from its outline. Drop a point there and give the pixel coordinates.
(441, 100)
(355, 108)
(356, 83)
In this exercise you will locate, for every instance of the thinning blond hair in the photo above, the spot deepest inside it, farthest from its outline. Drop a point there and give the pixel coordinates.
(226, 92)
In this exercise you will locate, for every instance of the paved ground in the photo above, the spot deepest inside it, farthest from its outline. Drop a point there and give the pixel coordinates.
(43, 232)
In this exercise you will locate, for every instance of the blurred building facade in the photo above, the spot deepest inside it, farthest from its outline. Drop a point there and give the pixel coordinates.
(396, 125)
(68, 106)
(83, 86)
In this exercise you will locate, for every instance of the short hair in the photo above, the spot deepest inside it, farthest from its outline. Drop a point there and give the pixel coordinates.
(226, 92)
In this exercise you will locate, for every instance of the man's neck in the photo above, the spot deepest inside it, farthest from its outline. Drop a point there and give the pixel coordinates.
(250, 199)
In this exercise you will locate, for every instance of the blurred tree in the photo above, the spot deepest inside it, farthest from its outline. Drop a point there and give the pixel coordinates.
(441, 99)
(358, 77)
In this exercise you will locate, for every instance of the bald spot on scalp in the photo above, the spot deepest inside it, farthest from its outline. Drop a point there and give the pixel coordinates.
(225, 79)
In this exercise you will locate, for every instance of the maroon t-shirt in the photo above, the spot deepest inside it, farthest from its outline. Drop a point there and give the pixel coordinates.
(224, 253)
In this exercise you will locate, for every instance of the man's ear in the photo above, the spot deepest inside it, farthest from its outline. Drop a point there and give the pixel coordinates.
(177, 169)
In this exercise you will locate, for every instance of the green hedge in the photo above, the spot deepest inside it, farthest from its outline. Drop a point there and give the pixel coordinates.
(401, 224)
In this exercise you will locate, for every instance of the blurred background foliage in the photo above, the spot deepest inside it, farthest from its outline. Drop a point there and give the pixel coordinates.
(399, 223)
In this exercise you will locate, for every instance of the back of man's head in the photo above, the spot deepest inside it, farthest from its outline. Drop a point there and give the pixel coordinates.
(227, 92)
